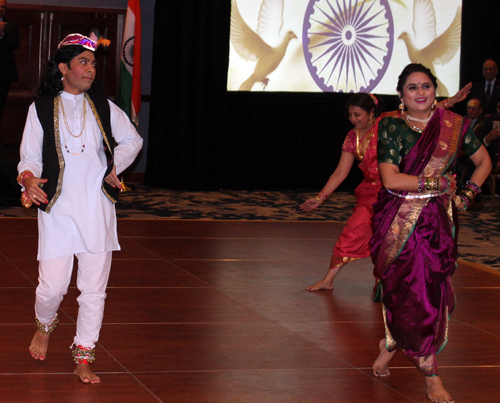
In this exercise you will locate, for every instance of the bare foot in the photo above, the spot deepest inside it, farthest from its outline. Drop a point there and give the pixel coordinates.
(436, 391)
(381, 364)
(85, 373)
(327, 282)
(321, 285)
(39, 345)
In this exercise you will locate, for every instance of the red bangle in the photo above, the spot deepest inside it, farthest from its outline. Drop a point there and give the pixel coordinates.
(25, 200)
(22, 177)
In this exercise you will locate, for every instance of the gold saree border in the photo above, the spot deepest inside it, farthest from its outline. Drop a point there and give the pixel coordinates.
(362, 146)
(406, 218)
(400, 230)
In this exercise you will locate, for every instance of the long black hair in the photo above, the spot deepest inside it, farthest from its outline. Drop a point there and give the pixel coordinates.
(367, 102)
(51, 83)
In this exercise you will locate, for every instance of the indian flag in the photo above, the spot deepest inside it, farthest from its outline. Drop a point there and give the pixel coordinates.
(130, 68)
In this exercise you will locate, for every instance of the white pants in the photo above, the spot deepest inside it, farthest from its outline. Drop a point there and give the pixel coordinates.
(53, 282)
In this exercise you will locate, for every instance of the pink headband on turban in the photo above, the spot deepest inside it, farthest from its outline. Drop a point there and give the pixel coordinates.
(79, 39)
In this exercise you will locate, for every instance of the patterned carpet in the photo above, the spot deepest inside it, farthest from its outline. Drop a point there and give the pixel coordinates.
(479, 238)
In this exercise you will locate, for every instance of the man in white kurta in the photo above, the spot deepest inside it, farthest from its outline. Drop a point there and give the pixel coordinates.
(81, 220)
(68, 229)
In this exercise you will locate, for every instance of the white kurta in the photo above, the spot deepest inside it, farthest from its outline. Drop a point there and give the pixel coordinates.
(82, 219)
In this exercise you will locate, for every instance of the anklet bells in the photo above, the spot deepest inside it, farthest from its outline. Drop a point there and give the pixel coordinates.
(47, 328)
(83, 355)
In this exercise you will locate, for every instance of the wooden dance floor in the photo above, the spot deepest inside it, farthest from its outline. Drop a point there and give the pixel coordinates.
(215, 311)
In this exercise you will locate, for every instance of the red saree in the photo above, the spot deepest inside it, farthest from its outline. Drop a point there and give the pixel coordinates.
(354, 242)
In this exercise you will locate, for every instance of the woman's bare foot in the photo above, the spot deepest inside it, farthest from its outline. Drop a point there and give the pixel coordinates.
(436, 391)
(327, 282)
(39, 345)
(86, 374)
(321, 285)
(381, 364)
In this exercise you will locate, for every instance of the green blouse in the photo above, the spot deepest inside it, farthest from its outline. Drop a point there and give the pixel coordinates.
(396, 139)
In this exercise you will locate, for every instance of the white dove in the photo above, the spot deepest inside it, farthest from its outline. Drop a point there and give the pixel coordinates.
(250, 45)
(425, 47)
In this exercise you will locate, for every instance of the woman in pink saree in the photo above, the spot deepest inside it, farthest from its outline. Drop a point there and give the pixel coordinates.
(414, 246)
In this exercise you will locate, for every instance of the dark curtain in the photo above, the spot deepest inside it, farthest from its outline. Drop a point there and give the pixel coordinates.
(202, 137)
(188, 95)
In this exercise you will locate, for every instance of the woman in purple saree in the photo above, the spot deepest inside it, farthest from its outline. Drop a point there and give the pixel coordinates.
(414, 246)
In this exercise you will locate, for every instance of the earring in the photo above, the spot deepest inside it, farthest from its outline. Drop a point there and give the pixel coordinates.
(434, 104)
(62, 78)
(402, 106)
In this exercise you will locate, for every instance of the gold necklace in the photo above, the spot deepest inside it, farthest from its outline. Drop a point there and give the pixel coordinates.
(74, 154)
(84, 131)
(414, 128)
(66, 120)
(408, 117)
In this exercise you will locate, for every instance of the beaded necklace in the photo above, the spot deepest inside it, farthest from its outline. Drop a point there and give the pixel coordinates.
(83, 131)
(424, 121)
(408, 117)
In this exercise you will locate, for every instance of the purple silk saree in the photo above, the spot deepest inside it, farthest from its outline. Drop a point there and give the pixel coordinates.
(414, 247)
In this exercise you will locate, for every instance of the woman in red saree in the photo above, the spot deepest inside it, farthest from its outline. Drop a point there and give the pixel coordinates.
(414, 246)
(361, 144)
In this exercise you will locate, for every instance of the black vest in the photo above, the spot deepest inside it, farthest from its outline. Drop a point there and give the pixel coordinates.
(52, 155)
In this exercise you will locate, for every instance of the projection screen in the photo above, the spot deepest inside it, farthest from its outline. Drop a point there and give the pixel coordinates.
(341, 45)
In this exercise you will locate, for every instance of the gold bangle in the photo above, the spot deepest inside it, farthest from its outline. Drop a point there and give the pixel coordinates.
(469, 194)
(431, 183)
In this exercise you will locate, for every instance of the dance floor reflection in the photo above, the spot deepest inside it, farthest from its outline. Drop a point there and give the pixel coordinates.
(216, 311)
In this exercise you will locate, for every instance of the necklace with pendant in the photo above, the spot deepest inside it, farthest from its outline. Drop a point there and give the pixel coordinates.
(84, 114)
(83, 131)
(408, 117)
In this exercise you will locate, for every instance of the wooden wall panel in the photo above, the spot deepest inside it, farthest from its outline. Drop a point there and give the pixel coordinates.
(41, 29)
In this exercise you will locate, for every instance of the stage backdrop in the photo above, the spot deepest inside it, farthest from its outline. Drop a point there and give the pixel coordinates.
(341, 46)
(205, 137)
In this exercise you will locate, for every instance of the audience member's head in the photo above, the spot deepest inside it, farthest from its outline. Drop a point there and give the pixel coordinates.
(474, 108)
(490, 69)
(3, 7)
